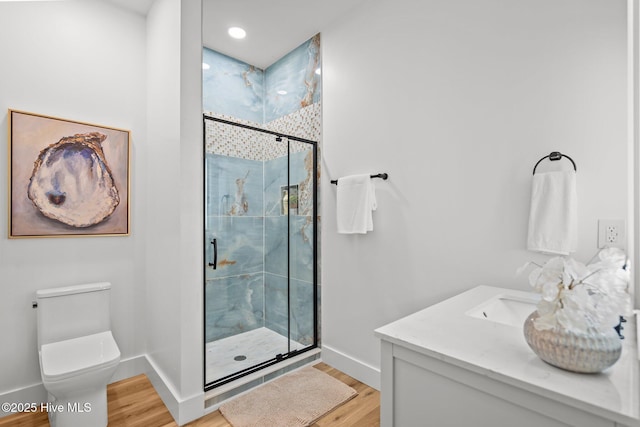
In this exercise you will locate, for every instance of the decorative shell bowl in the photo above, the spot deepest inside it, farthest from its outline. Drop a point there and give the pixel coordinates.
(585, 353)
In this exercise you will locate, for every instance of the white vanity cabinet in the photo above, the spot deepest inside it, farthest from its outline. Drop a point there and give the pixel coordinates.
(445, 367)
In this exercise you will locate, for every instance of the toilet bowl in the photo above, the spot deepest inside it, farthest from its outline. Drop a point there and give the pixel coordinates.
(77, 352)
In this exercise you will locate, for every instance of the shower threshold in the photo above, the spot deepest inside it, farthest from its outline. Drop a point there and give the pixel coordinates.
(229, 355)
(213, 398)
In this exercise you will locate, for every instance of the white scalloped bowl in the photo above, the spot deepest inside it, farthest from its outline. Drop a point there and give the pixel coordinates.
(584, 353)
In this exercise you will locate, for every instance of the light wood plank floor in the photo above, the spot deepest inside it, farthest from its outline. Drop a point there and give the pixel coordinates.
(134, 403)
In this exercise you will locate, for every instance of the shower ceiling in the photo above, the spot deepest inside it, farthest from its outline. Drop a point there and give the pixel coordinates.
(274, 27)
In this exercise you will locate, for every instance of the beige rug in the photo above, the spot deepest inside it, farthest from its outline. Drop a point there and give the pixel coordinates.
(293, 400)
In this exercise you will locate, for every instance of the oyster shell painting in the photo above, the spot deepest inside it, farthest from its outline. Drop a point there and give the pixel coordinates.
(67, 178)
(72, 183)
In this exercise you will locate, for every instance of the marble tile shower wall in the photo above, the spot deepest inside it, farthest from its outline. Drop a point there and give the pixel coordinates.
(246, 174)
(246, 216)
(234, 206)
(293, 82)
(243, 91)
(232, 87)
(289, 247)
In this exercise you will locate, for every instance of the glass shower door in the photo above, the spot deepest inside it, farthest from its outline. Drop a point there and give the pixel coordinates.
(290, 244)
(259, 250)
(302, 245)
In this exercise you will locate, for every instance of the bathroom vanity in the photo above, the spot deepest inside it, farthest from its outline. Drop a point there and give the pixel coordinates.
(465, 362)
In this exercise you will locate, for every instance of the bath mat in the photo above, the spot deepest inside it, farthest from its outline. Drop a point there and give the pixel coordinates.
(294, 400)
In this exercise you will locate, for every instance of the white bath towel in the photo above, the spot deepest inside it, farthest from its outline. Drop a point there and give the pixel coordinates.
(553, 219)
(356, 201)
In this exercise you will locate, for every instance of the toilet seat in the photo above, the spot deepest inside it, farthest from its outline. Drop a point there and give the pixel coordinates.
(64, 359)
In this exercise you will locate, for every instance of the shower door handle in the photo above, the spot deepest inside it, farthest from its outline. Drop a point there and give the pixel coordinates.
(214, 264)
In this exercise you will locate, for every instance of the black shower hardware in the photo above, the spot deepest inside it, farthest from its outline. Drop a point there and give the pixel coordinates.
(383, 175)
(555, 155)
(214, 264)
(290, 352)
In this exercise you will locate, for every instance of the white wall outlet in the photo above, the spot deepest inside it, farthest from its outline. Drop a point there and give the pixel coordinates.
(612, 233)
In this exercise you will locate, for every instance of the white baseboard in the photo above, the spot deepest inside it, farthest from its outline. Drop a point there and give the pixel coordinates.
(131, 367)
(351, 366)
(32, 394)
(37, 394)
(182, 410)
(185, 410)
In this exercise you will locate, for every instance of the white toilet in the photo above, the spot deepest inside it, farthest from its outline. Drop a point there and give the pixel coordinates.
(78, 355)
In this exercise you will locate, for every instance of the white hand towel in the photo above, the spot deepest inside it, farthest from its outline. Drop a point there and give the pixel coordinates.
(356, 201)
(553, 219)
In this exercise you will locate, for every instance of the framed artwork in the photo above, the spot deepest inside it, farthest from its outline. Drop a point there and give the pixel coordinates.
(67, 178)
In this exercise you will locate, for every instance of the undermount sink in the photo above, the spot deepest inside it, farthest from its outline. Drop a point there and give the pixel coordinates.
(506, 309)
(472, 346)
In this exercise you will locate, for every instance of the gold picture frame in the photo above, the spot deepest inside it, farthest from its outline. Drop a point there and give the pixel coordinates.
(67, 178)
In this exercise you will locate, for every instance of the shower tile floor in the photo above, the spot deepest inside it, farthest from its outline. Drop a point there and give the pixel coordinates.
(257, 346)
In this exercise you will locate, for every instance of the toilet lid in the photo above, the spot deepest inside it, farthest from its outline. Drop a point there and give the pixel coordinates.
(71, 357)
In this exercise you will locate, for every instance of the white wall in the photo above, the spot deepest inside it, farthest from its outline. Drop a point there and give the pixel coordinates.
(94, 62)
(82, 61)
(175, 206)
(457, 101)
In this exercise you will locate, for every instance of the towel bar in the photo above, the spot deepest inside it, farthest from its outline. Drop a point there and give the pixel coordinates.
(383, 175)
(555, 155)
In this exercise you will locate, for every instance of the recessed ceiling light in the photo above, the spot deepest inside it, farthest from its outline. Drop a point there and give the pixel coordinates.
(237, 32)
(282, 92)
(205, 66)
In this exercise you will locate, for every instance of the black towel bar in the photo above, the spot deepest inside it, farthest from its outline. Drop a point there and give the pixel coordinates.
(555, 155)
(383, 175)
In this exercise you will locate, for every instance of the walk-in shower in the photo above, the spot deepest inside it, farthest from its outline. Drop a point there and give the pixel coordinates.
(260, 291)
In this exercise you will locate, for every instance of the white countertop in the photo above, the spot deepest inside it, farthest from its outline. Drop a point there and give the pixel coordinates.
(499, 351)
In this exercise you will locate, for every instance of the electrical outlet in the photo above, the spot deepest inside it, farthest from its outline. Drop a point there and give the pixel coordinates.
(611, 233)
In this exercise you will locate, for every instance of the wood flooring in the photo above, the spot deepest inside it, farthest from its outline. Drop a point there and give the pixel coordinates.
(134, 403)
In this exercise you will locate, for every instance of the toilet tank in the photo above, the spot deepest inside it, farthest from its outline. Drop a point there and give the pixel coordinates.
(72, 311)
